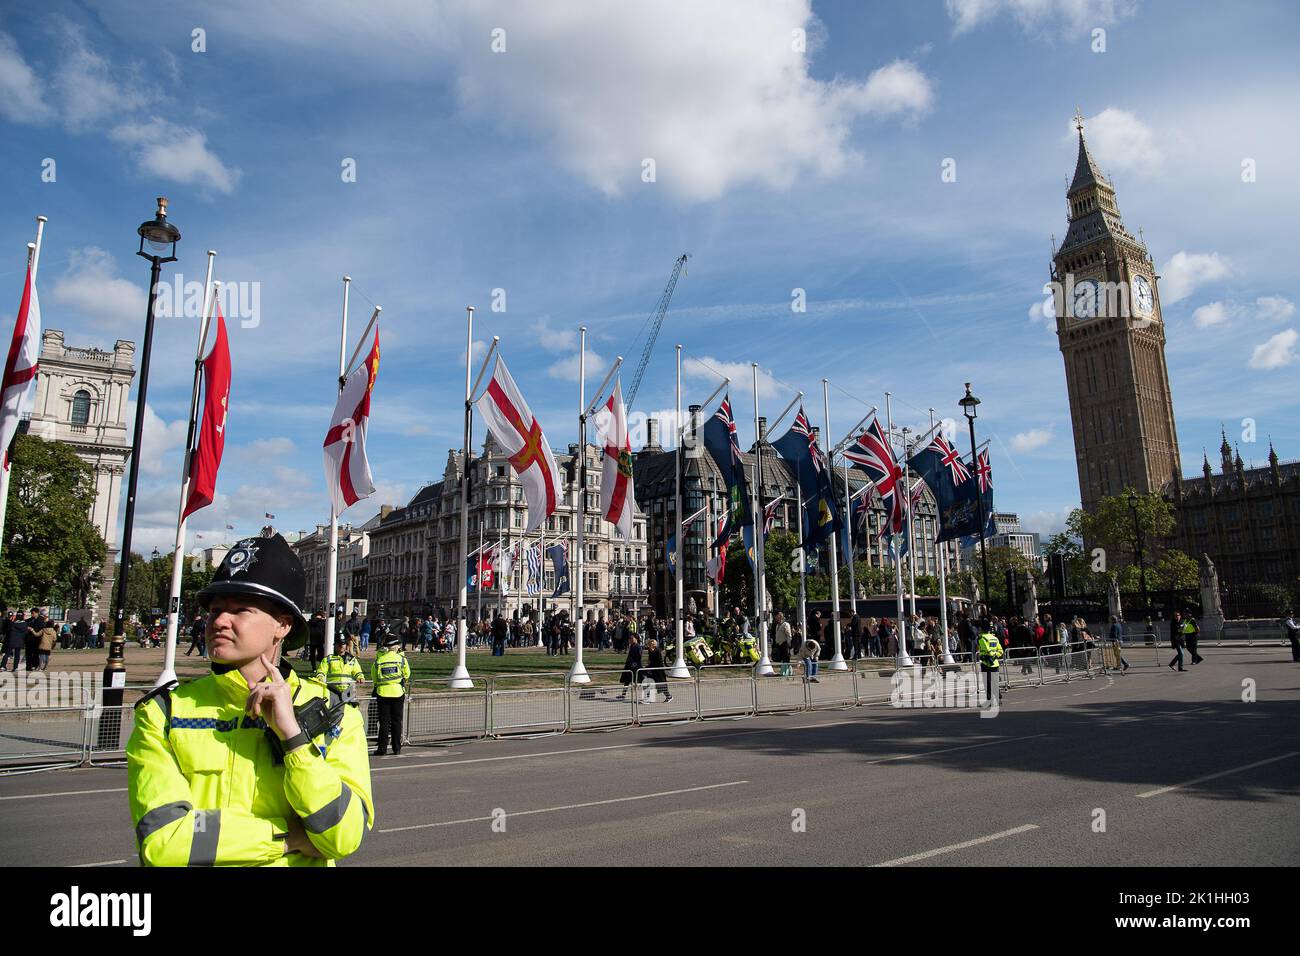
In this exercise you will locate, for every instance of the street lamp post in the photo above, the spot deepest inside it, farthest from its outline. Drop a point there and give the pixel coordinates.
(162, 237)
(968, 404)
(1141, 556)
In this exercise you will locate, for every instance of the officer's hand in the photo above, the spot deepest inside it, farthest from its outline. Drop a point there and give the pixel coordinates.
(297, 841)
(273, 703)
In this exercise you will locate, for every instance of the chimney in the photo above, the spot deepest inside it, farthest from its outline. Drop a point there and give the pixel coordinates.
(693, 419)
(762, 428)
(652, 433)
(385, 511)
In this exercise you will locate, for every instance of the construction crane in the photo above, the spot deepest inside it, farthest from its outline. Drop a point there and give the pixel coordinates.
(658, 320)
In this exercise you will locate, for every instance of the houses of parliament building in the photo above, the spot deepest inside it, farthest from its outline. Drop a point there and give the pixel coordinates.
(1112, 339)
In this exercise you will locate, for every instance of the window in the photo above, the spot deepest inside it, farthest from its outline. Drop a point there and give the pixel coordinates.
(81, 408)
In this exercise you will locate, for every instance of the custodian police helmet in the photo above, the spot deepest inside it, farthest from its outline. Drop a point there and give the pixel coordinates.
(266, 568)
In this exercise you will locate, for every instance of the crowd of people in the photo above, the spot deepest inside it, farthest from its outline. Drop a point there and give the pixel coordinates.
(32, 636)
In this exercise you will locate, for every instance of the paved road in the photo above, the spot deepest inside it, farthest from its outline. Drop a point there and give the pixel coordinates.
(1184, 770)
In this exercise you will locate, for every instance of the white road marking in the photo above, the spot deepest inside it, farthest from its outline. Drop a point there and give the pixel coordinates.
(62, 793)
(79, 866)
(1215, 776)
(571, 806)
(904, 860)
(926, 753)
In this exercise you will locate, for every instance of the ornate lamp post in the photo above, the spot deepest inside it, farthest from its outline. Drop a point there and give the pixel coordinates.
(161, 237)
(968, 405)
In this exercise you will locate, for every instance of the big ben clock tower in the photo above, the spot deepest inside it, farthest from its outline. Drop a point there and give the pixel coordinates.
(1113, 342)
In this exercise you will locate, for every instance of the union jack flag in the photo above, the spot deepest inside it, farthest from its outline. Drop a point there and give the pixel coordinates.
(769, 515)
(985, 472)
(723, 414)
(873, 452)
(861, 509)
(802, 427)
(950, 456)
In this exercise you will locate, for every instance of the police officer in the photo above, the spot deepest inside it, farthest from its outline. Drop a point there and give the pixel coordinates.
(249, 765)
(990, 651)
(390, 673)
(340, 671)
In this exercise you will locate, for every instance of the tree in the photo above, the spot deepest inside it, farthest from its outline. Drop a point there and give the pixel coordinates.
(53, 553)
(782, 577)
(1110, 527)
(149, 585)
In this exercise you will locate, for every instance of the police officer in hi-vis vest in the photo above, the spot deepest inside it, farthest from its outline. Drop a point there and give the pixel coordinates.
(340, 671)
(249, 765)
(990, 651)
(390, 673)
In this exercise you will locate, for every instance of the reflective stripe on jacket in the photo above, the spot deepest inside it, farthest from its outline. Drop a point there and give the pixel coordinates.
(205, 790)
(389, 673)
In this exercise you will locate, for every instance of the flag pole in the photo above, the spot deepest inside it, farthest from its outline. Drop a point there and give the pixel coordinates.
(764, 666)
(679, 586)
(478, 581)
(911, 531)
(331, 574)
(168, 676)
(837, 661)
(903, 659)
(851, 553)
(943, 584)
(460, 675)
(33, 261)
(803, 569)
(541, 584)
(578, 673)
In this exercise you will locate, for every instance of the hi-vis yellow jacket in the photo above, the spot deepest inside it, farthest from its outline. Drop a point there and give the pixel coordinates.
(390, 673)
(990, 649)
(337, 674)
(205, 789)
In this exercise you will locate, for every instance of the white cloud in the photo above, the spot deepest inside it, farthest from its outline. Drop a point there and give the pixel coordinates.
(20, 91)
(1273, 308)
(1046, 523)
(88, 94)
(158, 439)
(554, 340)
(92, 286)
(566, 369)
(1035, 16)
(740, 373)
(265, 451)
(715, 94)
(178, 153)
(1119, 140)
(1032, 439)
(1186, 271)
(1213, 313)
(478, 350)
(1277, 352)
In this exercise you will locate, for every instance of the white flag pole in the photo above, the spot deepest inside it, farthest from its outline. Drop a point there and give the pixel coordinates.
(803, 570)
(578, 673)
(541, 584)
(837, 661)
(903, 659)
(943, 584)
(460, 675)
(331, 574)
(679, 668)
(764, 666)
(168, 676)
(911, 531)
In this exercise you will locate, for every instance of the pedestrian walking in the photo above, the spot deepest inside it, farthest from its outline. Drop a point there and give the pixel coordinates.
(1116, 635)
(1293, 634)
(1192, 635)
(15, 644)
(781, 647)
(45, 645)
(32, 639)
(631, 667)
(656, 671)
(1176, 640)
(197, 629)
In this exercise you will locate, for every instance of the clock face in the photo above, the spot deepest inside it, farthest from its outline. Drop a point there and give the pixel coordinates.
(1085, 299)
(1144, 299)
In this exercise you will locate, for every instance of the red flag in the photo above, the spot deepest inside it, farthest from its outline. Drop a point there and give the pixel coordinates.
(347, 469)
(212, 436)
(486, 565)
(21, 368)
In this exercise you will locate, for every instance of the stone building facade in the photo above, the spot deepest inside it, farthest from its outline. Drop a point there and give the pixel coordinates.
(414, 562)
(81, 397)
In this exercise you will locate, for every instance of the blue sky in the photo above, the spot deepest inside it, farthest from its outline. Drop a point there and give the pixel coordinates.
(776, 168)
